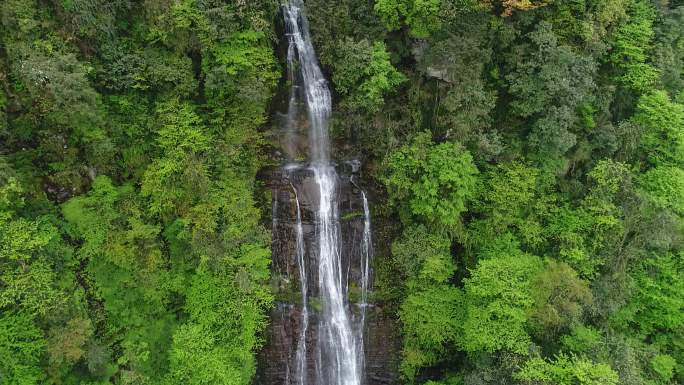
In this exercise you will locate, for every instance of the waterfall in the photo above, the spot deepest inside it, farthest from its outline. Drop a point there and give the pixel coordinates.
(339, 350)
(316, 92)
(300, 357)
(366, 254)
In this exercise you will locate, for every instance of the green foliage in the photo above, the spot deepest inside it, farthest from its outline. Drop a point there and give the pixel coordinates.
(498, 299)
(569, 231)
(241, 74)
(331, 27)
(179, 175)
(663, 187)
(22, 238)
(31, 287)
(567, 370)
(610, 190)
(67, 117)
(26, 256)
(216, 346)
(416, 247)
(551, 75)
(123, 259)
(549, 84)
(430, 181)
(657, 303)
(392, 12)
(242, 52)
(421, 16)
(582, 339)
(363, 73)
(90, 215)
(132, 242)
(457, 62)
(67, 344)
(664, 365)
(150, 69)
(631, 44)
(585, 22)
(560, 298)
(95, 112)
(93, 19)
(430, 311)
(506, 203)
(668, 51)
(22, 347)
(430, 322)
(663, 128)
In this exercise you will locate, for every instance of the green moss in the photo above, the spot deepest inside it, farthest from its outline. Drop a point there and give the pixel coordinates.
(351, 216)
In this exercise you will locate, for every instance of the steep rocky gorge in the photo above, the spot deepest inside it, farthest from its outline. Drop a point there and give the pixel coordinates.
(294, 352)
(276, 360)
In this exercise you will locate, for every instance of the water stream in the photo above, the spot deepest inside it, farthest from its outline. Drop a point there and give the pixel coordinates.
(300, 359)
(338, 355)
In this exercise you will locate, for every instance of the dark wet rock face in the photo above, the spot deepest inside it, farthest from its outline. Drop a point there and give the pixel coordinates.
(325, 329)
(277, 360)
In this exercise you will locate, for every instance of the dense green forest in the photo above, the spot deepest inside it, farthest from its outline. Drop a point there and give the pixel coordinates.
(528, 158)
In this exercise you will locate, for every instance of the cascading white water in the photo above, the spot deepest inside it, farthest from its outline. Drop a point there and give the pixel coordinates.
(366, 254)
(303, 283)
(338, 350)
(316, 92)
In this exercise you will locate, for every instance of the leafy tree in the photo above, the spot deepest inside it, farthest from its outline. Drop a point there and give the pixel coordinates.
(611, 193)
(430, 181)
(150, 69)
(422, 16)
(664, 365)
(663, 128)
(463, 100)
(93, 19)
(216, 346)
(549, 83)
(585, 23)
(506, 204)
(130, 122)
(663, 186)
(364, 74)
(631, 44)
(67, 344)
(656, 304)
(560, 298)
(570, 233)
(392, 12)
(69, 115)
(26, 254)
(430, 311)
(22, 347)
(668, 51)
(416, 246)
(430, 323)
(498, 299)
(179, 175)
(567, 370)
(332, 27)
(581, 339)
(94, 105)
(124, 262)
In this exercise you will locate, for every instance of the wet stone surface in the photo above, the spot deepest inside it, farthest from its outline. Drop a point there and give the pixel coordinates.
(277, 358)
